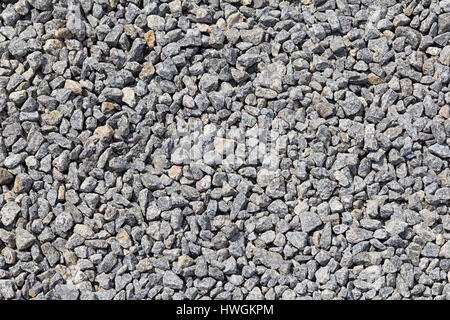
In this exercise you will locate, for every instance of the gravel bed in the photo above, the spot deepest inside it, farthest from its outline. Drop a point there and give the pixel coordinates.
(224, 149)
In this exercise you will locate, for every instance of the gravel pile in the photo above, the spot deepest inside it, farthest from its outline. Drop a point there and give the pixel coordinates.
(224, 149)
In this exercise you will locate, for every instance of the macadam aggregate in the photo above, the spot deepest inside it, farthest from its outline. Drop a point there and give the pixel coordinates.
(224, 149)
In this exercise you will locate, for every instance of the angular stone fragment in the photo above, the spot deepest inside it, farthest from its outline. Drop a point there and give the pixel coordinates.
(445, 250)
(74, 19)
(325, 109)
(113, 36)
(234, 19)
(431, 250)
(444, 22)
(144, 265)
(150, 38)
(171, 280)
(5, 176)
(278, 207)
(67, 291)
(17, 47)
(105, 132)
(84, 231)
(352, 104)
(276, 188)
(184, 261)
(124, 239)
(264, 177)
(7, 289)
(208, 82)
(9, 212)
(442, 151)
(325, 188)
(413, 37)
(309, 221)
(136, 52)
(374, 79)
(355, 235)
(24, 239)
(238, 204)
(337, 45)
(108, 262)
(320, 63)
(151, 181)
(41, 4)
(129, 96)
(155, 22)
(269, 259)
(247, 60)
(22, 183)
(395, 226)
(175, 172)
(50, 253)
(74, 86)
(298, 239)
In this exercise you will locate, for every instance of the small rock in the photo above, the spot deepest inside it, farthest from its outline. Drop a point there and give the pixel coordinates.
(309, 221)
(5, 176)
(24, 239)
(175, 172)
(67, 292)
(298, 239)
(74, 86)
(22, 183)
(150, 38)
(105, 132)
(171, 280)
(124, 239)
(9, 213)
(129, 96)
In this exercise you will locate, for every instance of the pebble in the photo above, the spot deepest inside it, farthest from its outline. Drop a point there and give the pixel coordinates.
(175, 172)
(5, 176)
(9, 213)
(105, 133)
(22, 183)
(309, 221)
(24, 239)
(74, 86)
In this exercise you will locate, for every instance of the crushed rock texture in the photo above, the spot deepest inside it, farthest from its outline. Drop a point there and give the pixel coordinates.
(224, 149)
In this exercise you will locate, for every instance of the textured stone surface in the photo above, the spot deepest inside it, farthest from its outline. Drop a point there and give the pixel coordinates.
(229, 150)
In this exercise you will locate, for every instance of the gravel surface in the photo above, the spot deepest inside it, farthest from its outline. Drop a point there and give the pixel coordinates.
(224, 149)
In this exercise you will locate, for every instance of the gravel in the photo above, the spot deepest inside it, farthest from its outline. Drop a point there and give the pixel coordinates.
(235, 149)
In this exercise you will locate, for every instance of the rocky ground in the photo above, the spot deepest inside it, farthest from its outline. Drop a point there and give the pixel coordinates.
(224, 149)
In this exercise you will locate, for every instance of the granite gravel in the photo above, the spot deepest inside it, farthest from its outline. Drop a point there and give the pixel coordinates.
(224, 149)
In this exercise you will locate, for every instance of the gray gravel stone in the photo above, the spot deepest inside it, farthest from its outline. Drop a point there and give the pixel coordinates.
(63, 222)
(24, 239)
(297, 239)
(9, 213)
(7, 289)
